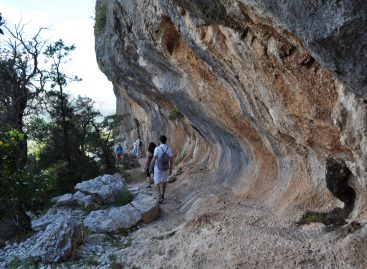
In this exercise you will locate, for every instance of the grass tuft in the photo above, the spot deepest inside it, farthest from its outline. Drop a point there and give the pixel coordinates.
(123, 198)
(164, 236)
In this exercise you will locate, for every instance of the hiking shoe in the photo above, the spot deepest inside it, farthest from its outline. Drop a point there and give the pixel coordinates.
(162, 196)
(160, 200)
(148, 187)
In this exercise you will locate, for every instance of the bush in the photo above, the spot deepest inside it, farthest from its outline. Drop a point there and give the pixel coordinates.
(19, 188)
(100, 17)
(23, 263)
(175, 115)
(123, 198)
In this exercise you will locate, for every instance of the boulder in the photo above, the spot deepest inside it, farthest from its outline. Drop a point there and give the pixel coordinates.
(58, 242)
(78, 199)
(147, 206)
(113, 220)
(64, 200)
(134, 190)
(105, 187)
(87, 201)
(55, 215)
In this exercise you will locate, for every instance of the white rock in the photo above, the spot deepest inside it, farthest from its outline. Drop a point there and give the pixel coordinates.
(147, 206)
(54, 215)
(64, 200)
(58, 242)
(105, 187)
(113, 220)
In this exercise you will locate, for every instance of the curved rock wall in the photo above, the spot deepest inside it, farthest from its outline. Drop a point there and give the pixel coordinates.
(268, 90)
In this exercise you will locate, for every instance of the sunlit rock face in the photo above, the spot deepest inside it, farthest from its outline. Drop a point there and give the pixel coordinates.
(268, 89)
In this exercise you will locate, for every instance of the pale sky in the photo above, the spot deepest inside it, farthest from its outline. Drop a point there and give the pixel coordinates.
(71, 21)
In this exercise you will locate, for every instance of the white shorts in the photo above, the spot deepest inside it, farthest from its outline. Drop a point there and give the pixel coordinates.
(160, 176)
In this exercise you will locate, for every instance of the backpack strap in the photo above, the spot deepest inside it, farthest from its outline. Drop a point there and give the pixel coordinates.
(164, 151)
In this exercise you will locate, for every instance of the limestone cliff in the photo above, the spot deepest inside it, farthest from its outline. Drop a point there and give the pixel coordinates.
(268, 89)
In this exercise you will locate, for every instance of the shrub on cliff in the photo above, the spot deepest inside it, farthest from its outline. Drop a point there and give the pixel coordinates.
(175, 115)
(100, 17)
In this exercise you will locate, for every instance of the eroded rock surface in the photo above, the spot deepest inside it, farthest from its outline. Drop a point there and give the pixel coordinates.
(268, 91)
(337, 179)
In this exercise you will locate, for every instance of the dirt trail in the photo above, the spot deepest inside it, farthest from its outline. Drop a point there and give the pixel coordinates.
(204, 226)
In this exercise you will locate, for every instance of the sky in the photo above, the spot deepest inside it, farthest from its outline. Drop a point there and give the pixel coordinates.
(71, 21)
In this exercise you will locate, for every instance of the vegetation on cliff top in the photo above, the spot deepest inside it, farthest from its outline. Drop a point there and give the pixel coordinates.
(100, 17)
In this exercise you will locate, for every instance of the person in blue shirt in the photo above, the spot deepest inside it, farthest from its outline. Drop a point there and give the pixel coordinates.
(119, 151)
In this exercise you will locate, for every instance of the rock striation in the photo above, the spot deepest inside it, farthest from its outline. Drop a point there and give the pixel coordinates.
(268, 90)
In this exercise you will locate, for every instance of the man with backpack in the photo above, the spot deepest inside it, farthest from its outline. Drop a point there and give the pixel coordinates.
(162, 164)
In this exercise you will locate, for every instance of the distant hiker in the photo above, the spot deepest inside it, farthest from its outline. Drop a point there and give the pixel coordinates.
(139, 147)
(119, 152)
(162, 163)
(135, 149)
(150, 153)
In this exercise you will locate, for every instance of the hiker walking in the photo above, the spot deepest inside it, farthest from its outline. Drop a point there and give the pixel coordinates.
(135, 149)
(162, 164)
(150, 153)
(119, 152)
(139, 144)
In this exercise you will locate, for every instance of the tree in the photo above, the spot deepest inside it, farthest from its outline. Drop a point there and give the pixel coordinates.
(61, 111)
(21, 82)
(97, 132)
(1, 24)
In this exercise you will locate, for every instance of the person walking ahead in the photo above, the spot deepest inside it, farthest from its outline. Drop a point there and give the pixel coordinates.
(150, 153)
(119, 151)
(162, 164)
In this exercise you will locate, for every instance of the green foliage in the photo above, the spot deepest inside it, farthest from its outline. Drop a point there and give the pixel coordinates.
(19, 187)
(91, 261)
(9, 151)
(312, 217)
(175, 115)
(100, 18)
(86, 231)
(123, 198)
(24, 263)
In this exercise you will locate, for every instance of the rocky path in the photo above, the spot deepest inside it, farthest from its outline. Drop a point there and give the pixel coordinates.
(203, 226)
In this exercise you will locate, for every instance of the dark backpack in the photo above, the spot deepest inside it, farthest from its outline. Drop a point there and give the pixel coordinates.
(163, 161)
(140, 143)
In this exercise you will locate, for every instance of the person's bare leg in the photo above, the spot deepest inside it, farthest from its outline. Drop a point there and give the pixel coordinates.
(163, 189)
(159, 190)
